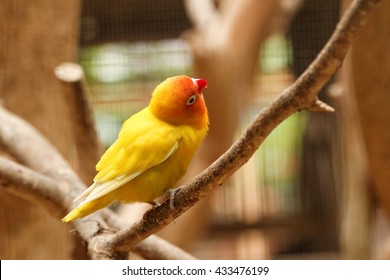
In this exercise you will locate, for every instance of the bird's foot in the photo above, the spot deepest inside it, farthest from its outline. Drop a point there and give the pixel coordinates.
(154, 203)
(172, 193)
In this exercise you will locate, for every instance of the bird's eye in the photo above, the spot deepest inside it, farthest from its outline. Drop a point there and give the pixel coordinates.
(191, 100)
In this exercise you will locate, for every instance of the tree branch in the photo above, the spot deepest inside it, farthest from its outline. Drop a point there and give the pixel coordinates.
(33, 150)
(33, 186)
(87, 146)
(156, 248)
(53, 185)
(301, 95)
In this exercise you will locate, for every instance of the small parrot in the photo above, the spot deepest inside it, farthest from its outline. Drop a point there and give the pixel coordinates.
(153, 149)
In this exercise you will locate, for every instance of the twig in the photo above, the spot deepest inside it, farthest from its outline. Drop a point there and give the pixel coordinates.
(301, 95)
(17, 136)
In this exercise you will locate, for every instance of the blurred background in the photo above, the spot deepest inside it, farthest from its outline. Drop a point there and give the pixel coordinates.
(319, 186)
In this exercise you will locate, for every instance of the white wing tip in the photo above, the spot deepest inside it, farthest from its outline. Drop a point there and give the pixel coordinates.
(86, 192)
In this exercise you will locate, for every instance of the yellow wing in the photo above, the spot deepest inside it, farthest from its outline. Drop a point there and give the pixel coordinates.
(143, 142)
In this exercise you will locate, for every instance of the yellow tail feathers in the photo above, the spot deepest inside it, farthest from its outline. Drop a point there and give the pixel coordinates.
(84, 209)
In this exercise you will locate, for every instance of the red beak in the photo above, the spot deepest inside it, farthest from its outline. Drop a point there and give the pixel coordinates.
(201, 84)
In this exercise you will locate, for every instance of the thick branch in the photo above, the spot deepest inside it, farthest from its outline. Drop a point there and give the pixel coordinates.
(17, 136)
(301, 95)
(33, 150)
(31, 185)
(56, 189)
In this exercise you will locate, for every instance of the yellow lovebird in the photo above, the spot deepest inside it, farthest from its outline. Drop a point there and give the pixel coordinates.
(153, 149)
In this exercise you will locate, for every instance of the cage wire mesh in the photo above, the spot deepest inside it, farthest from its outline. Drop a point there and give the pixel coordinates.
(127, 47)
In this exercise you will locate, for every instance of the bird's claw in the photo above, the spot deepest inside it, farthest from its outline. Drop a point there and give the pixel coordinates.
(154, 203)
(172, 193)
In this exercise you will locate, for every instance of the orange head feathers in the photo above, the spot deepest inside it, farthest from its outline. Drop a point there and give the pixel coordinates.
(179, 100)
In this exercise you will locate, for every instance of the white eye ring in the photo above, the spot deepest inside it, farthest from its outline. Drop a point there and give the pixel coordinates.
(191, 100)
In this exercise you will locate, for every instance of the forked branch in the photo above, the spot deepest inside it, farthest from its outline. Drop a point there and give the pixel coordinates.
(301, 95)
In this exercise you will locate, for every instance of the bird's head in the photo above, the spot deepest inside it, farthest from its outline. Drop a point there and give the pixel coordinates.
(179, 100)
